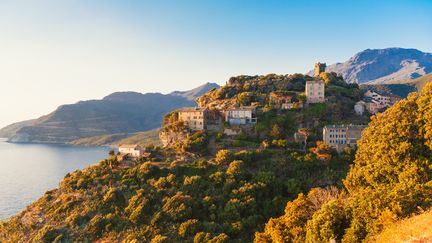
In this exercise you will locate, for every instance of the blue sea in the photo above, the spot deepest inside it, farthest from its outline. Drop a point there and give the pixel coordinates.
(27, 171)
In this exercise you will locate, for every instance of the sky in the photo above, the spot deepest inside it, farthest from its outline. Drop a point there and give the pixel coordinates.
(55, 52)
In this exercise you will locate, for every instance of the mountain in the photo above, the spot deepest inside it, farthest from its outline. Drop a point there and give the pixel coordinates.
(11, 129)
(197, 92)
(121, 112)
(380, 66)
(400, 88)
(418, 83)
(142, 138)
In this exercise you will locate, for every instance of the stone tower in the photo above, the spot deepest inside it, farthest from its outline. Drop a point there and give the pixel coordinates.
(319, 68)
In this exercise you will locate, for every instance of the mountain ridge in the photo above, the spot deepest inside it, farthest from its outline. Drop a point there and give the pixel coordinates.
(381, 66)
(119, 112)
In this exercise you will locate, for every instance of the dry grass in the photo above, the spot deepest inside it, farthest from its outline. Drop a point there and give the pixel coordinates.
(415, 229)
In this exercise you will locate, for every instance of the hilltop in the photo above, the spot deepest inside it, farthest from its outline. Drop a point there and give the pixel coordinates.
(382, 66)
(262, 184)
(208, 186)
(117, 113)
(196, 92)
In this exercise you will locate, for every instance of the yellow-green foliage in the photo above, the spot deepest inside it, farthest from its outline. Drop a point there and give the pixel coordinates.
(392, 172)
(291, 227)
(391, 178)
(200, 202)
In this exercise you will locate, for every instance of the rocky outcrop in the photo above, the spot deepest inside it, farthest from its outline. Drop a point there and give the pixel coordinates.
(169, 138)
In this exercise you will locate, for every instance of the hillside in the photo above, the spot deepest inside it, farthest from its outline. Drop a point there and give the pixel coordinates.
(196, 92)
(401, 88)
(11, 129)
(208, 187)
(257, 186)
(391, 179)
(419, 82)
(122, 112)
(414, 229)
(381, 66)
(141, 138)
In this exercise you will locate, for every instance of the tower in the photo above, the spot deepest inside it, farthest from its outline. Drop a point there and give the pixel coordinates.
(319, 68)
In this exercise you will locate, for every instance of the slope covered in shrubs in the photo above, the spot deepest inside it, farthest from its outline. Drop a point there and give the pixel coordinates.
(391, 179)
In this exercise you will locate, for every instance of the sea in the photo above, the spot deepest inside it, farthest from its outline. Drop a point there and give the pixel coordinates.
(27, 171)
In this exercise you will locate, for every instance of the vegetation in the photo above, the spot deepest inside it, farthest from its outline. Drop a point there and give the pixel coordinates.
(229, 197)
(140, 138)
(416, 228)
(391, 179)
(215, 188)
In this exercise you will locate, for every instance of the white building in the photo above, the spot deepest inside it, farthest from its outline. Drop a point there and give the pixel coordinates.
(383, 99)
(132, 150)
(359, 108)
(315, 91)
(243, 115)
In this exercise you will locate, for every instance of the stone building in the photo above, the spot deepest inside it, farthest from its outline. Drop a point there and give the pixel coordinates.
(194, 117)
(315, 91)
(280, 100)
(340, 136)
(319, 68)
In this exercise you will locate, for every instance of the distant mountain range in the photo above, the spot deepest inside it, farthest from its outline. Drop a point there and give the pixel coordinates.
(383, 66)
(121, 112)
(197, 92)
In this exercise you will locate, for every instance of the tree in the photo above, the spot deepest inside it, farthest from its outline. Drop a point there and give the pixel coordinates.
(111, 152)
(276, 131)
(328, 223)
(392, 170)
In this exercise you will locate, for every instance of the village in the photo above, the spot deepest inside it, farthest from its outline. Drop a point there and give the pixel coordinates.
(233, 120)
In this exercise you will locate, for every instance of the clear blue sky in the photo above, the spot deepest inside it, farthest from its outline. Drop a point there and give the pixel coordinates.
(54, 52)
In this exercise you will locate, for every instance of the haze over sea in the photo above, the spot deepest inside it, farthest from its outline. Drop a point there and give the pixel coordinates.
(27, 171)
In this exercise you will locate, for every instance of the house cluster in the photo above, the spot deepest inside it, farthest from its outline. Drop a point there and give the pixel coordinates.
(341, 136)
(283, 101)
(202, 118)
(131, 151)
(374, 102)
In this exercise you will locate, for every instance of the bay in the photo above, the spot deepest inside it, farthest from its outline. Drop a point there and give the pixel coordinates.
(27, 171)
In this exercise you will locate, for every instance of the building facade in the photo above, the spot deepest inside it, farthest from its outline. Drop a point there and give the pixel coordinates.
(315, 91)
(131, 150)
(319, 68)
(359, 108)
(243, 115)
(194, 117)
(385, 100)
(340, 136)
